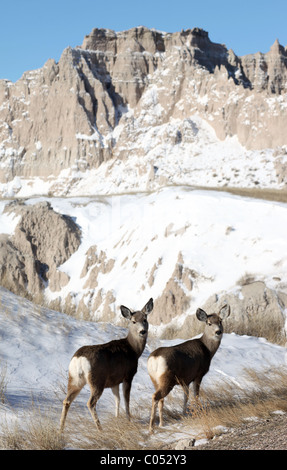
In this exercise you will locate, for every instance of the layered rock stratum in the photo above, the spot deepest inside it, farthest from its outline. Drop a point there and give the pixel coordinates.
(122, 94)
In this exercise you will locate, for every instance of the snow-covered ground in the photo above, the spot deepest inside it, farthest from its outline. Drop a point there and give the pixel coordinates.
(220, 237)
(37, 345)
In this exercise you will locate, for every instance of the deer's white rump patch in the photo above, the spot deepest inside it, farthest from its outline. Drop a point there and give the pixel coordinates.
(156, 367)
(79, 370)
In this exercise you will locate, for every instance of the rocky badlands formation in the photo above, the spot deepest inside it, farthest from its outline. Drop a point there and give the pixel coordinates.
(42, 241)
(98, 101)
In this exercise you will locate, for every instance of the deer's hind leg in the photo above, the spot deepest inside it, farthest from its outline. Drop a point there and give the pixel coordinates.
(157, 401)
(72, 392)
(96, 392)
(92, 402)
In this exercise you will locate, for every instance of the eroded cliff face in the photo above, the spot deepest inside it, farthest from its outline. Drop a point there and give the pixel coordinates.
(99, 100)
(43, 240)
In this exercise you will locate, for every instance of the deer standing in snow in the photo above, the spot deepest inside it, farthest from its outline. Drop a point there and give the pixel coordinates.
(184, 363)
(107, 365)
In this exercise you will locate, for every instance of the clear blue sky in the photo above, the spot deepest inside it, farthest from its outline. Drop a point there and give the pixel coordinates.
(32, 31)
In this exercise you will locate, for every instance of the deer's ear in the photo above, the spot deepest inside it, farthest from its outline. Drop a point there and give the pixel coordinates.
(126, 312)
(201, 314)
(148, 307)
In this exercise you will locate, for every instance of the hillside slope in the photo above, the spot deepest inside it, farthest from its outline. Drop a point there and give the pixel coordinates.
(185, 248)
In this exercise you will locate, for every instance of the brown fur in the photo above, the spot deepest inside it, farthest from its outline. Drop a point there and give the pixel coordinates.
(186, 362)
(108, 365)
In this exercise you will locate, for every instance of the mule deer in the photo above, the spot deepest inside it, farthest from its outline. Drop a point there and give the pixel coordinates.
(107, 365)
(184, 363)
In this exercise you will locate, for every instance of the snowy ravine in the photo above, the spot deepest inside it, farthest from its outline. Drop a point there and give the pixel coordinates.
(219, 236)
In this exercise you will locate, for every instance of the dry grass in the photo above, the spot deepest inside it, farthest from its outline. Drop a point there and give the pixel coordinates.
(32, 431)
(278, 195)
(259, 326)
(3, 382)
(224, 406)
(227, 406)
(117, 434)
